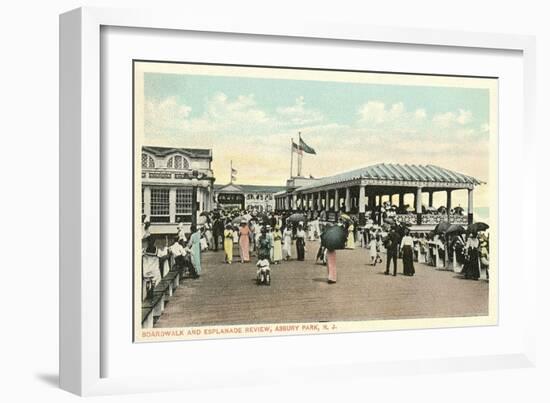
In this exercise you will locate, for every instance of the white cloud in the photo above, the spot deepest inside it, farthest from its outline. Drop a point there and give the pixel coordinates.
(298, 114)
(258, 141)
(484, 128)
(464, 117)
(165, 114)
(420, 114)
(378, 113)
(374, 112)
(449, 119)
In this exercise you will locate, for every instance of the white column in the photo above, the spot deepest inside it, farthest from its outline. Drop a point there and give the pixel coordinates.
(147, 201)
(172, 201)
(361, 199)
(294, 202)
(336, 200)
(207, 198)
(319, 205)
(418, 200)
(348, 200)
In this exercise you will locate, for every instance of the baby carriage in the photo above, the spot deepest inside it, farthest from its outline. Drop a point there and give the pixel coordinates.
(263, 274)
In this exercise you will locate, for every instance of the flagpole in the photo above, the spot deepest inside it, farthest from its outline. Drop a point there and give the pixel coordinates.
(231, 172)
(300, 154)
(291, 155)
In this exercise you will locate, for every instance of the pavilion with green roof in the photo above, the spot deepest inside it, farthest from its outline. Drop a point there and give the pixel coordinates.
(362, 189)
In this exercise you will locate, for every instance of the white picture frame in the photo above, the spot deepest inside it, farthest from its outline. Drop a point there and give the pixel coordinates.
(81, 307)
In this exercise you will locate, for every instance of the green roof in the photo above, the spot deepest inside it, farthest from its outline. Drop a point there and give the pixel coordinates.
(398, 172)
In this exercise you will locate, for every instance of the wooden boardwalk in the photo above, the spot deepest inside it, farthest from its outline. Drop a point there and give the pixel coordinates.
(228, 294)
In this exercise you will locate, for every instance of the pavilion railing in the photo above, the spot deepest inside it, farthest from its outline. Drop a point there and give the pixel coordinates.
(431, 219)
(406, 218)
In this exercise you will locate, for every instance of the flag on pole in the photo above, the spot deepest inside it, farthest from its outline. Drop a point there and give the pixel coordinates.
(305, 148)
(296, 148)
(233, 173)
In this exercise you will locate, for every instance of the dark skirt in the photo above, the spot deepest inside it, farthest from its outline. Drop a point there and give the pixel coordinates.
(408, 265)
(471, 268)
(300, 248)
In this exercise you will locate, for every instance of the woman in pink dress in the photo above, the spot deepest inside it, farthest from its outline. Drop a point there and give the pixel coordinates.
(244, 242)
(331, 266)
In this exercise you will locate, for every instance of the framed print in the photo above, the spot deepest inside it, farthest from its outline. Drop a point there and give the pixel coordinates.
(349, 120)
(225, 192)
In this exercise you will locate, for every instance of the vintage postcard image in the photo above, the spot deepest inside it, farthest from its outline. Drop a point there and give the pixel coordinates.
(280, 201)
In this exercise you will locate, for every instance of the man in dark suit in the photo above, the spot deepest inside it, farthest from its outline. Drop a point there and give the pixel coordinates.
(392, 247)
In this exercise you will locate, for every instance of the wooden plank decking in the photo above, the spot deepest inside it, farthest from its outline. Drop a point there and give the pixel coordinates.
(228, 294)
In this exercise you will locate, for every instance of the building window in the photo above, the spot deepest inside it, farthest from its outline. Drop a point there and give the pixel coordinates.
(178, 162)
(184, 200)
(147, 161)
(160, 205)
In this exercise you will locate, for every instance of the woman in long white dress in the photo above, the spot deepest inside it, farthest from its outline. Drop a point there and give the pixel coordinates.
(208, 235)
(162, 253)
(350, 243)
(287, 243)
(150, 262)
(277, 246)
(373, 253)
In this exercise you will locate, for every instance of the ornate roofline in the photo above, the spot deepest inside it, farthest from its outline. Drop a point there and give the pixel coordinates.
(397, 175)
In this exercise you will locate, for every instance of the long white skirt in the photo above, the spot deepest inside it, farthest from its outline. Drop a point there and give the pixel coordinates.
(151, 268)
(287, 248)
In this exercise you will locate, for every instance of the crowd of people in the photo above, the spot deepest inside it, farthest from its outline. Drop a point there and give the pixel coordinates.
(273, 238)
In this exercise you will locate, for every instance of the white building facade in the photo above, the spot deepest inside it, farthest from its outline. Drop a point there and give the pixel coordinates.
(176, 185)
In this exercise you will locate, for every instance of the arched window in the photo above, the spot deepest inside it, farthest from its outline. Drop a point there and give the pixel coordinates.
(147, 161)
(178, 162)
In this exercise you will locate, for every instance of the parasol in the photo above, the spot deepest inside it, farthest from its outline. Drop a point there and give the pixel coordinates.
(455, 229)
(401, 228)
(442, 227)
(262, 217)
(477, 227)
(334, 238)
(296, 217)
(238, 220)
(345, 217)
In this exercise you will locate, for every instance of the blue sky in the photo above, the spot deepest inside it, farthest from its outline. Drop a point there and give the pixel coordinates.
(250, 121)
(340, 106)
